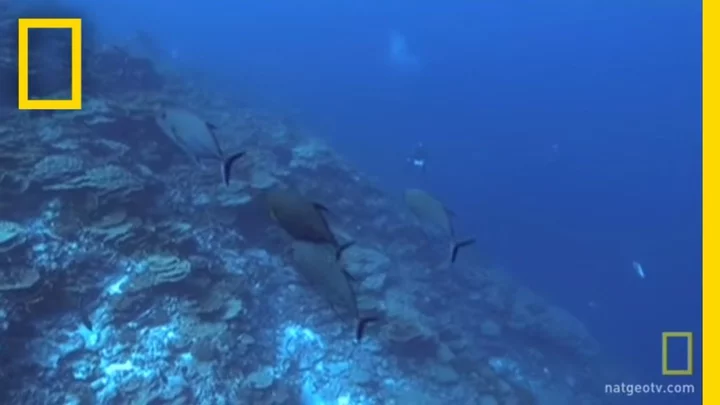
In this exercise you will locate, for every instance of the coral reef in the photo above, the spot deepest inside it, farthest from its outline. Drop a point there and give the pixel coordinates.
(129, 275)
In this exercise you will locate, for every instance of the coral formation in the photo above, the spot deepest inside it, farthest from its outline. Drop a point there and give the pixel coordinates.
(160, 269)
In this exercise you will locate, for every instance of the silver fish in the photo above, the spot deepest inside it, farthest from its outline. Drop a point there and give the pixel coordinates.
(638, 269)
(318, 264)
(303, 219)
(196, 137)
(431, 211)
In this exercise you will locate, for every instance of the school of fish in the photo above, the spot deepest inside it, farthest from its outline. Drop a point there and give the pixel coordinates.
(316, 251)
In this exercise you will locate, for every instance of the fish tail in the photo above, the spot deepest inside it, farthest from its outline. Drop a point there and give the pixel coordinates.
(342, 248)
(362, 324)
(85, 319)
(457, 245)
(227, 164)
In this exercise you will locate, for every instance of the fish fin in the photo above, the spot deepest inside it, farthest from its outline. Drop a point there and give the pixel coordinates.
(342, 248)
(335, 310)
(85, 319)
(457, 245)
(451, 216)
(218, 149)
(349, 276)
(272, 215)
(321, 207)
(362, 324)
(227, 166)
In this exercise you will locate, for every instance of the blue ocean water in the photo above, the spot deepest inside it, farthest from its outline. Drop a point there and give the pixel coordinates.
(565, 135)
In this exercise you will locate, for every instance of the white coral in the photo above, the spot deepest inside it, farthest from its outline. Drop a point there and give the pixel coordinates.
(107, 178)
(11, 235)
(56, 166)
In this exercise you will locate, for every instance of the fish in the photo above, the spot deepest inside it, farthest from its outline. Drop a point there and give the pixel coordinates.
(318, 264)
(431, 211)
(303, 219)
(196, 137)
(638, 269)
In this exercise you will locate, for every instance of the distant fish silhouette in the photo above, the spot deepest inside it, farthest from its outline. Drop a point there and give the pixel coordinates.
(399, 54)
(638, 269)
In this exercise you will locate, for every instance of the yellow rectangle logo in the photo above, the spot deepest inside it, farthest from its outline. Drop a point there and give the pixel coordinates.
(75, 27)
(666, 336)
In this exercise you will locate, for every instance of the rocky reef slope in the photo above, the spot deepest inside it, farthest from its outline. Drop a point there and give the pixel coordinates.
(129, 275)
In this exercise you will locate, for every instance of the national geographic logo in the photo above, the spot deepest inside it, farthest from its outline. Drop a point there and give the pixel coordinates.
(685, 338)
(75, 27)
